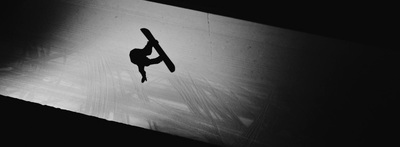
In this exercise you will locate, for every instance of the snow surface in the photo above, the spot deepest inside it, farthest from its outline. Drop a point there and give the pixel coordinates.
(226, 70)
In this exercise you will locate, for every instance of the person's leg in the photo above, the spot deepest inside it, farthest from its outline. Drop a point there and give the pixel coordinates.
(155, 60)
(143, 73)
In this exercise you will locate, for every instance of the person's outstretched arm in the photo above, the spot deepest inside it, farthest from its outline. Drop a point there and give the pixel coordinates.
(141, 70)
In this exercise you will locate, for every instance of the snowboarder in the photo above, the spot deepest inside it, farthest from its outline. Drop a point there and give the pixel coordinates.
(139, 57)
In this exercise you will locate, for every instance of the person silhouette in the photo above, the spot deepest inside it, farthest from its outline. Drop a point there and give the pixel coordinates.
(139, 57)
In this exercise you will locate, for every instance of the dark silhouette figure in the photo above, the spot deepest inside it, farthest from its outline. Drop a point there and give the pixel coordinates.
(139, 57)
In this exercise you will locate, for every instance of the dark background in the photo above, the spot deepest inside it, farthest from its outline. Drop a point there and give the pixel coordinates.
(353, 107)
(370, 23)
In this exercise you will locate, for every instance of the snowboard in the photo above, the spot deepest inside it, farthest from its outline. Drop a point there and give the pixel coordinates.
(159, 50)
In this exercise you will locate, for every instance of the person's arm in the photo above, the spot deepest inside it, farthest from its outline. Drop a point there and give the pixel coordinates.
(148, 45)
(141, 70)
(151, 43)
